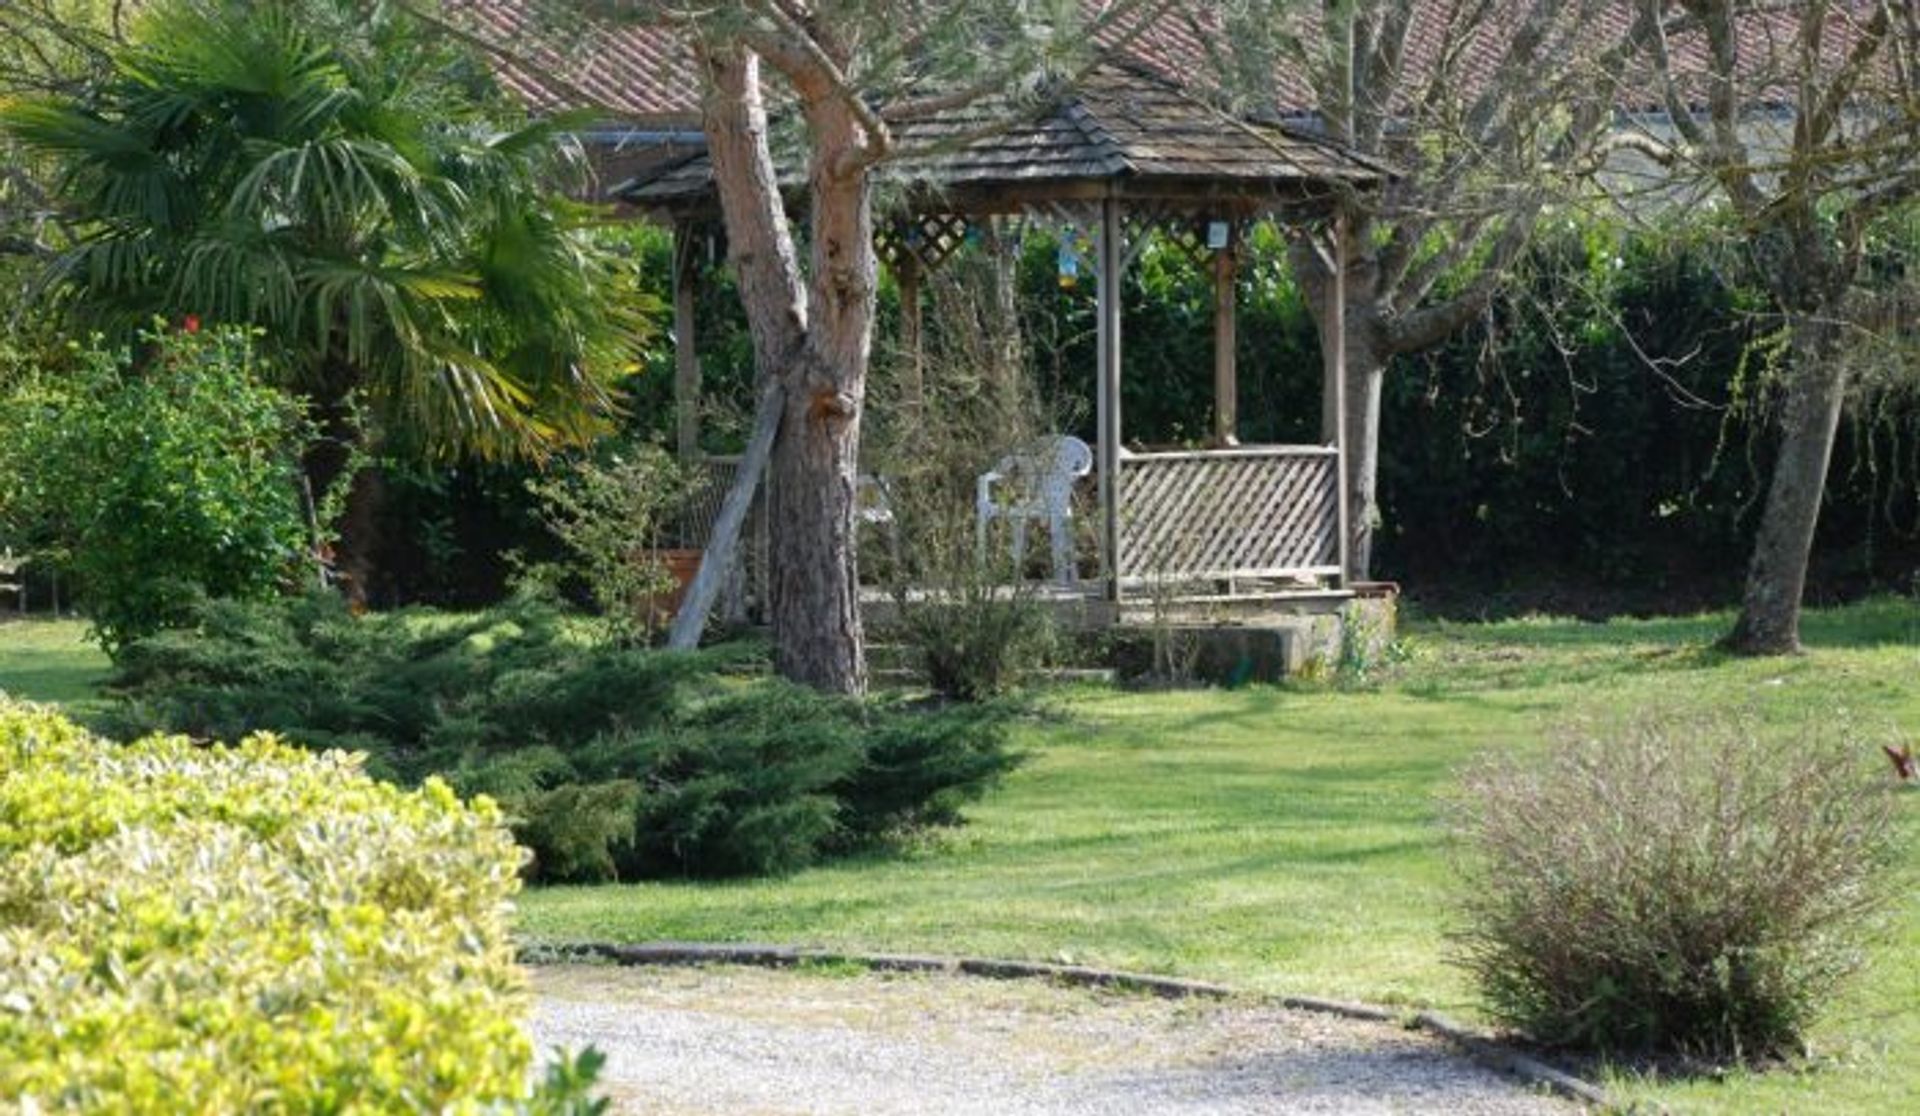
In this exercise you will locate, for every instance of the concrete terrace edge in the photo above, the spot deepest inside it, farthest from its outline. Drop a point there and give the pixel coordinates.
(1483, 1048)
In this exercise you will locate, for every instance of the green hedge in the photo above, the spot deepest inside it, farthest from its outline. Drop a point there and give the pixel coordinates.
(247, 928)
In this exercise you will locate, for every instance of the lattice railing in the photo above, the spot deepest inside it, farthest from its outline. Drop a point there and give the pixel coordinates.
(1236, 513)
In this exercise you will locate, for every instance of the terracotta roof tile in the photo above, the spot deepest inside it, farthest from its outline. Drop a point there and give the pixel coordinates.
(639, 73)
(645, 75)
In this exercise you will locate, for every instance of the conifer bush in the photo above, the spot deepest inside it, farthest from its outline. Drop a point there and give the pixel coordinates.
(248, 928)
(610, 761)
(1676, 886)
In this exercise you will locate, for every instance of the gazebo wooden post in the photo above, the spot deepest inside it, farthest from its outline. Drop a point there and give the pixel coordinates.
(1337, 373)
(686, 353)
(1107, 411)
(1226, 386)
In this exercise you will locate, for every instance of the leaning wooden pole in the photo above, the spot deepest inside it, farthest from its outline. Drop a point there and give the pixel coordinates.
(1337, 357)
(717, 562)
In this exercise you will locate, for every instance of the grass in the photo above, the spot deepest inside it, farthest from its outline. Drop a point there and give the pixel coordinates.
(1284, 839)
(51, 661)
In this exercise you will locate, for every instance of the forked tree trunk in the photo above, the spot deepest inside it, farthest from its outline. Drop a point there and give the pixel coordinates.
(1769, 622)
(814, 336)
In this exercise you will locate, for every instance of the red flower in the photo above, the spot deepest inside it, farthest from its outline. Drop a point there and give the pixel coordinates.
(191, 323)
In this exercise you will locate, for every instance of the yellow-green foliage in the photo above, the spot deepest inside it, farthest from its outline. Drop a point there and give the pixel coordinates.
(188, 928)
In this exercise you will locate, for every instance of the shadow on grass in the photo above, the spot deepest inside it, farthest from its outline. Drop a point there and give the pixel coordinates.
(1454, 660)
(1875, 622)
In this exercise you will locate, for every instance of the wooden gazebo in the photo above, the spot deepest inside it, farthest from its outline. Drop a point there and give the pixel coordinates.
(1123, 155)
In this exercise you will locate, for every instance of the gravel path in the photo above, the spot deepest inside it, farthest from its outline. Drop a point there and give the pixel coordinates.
(754, 1041)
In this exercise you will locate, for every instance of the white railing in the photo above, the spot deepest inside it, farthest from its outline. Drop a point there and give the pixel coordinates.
(1249, 512)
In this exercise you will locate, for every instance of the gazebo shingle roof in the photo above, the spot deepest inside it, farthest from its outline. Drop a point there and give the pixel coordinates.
(1116, 125)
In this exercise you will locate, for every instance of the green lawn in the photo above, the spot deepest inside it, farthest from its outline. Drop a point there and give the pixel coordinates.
(49, 660)
(1286, 840)
(1283, 839)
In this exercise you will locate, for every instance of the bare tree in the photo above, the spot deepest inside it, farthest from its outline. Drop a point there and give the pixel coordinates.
(1803, 119)
(1492, 110)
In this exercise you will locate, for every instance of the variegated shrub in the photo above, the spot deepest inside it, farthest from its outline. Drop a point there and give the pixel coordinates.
(247, 928)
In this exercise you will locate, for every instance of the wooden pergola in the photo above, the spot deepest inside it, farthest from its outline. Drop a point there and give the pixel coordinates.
(1125, 156)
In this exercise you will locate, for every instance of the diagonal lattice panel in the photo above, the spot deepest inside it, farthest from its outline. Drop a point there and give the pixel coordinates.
(1229, 513)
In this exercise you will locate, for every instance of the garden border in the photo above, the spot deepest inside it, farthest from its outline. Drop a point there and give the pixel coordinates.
(1483, 1048)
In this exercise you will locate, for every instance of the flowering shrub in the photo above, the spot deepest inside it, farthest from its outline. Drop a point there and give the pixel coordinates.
(247, 928)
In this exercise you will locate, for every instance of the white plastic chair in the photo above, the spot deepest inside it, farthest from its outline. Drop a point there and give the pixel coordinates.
(1036, 482)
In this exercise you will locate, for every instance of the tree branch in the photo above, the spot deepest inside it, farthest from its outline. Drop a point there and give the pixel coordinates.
(1428, 326)
(759, 242)
(805, 63)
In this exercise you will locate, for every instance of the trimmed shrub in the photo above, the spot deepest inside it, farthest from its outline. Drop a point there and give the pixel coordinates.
(608, 760)
(248, 928)
(1673, 887)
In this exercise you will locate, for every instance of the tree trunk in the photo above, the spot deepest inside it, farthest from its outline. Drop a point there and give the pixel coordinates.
(358, 560)
(814, 595)
(1366, 375)
(1769, 622)
(1009, 357)
(815, 338)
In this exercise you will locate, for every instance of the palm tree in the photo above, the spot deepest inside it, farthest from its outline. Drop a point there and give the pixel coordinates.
(361, 193)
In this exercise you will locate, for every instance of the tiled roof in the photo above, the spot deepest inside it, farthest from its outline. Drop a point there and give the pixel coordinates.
(1114, 124)
(643, 74)
(554, 60)
(1146, 116)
